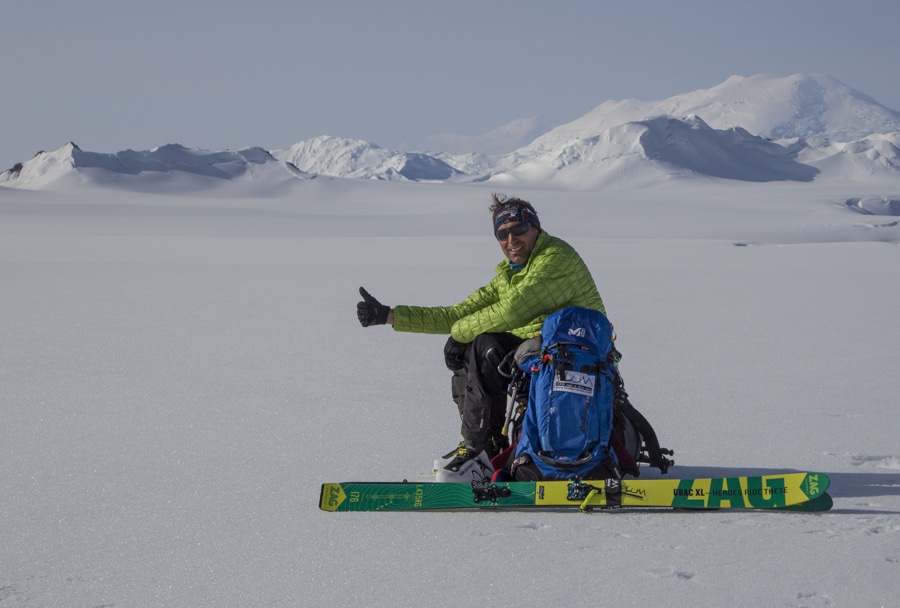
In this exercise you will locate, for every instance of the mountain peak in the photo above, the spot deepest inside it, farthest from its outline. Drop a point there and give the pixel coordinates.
(341, 157)
(799, 105)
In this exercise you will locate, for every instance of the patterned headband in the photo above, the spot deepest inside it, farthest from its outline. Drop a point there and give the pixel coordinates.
(515, 212)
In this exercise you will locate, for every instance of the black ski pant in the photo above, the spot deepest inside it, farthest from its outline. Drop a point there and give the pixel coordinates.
(479, 391)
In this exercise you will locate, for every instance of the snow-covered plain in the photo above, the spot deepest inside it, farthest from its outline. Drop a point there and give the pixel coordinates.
(181, 365)
(181, 373)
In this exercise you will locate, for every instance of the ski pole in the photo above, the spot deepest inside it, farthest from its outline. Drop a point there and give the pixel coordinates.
(509, 410)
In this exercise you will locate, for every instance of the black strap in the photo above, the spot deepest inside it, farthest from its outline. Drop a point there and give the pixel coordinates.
(622, 405)
(613, 493)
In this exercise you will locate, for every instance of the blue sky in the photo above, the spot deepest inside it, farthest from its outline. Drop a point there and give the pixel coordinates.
(112, 75)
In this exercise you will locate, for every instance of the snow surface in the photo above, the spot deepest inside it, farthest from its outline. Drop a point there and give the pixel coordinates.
(182, 368)
(181, 373)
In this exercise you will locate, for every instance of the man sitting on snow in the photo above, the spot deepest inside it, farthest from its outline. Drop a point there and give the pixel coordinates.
(540, 275)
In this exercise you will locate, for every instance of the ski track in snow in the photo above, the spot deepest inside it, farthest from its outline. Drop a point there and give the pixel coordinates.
(881, 462)
(811, 599)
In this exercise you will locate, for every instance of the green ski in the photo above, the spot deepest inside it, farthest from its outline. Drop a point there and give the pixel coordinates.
(790, 491)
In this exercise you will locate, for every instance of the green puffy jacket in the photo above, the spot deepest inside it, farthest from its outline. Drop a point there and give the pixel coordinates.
(554, 277)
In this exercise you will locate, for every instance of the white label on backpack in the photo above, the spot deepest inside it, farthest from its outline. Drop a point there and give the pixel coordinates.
(575, 382)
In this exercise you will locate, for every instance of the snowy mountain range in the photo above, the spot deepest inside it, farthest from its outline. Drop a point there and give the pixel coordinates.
(754, 129)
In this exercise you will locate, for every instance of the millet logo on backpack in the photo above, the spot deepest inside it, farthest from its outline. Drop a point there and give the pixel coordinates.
(578, 332)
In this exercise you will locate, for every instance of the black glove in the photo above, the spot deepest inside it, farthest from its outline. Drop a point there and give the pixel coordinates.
(455, 354)
(370, 311)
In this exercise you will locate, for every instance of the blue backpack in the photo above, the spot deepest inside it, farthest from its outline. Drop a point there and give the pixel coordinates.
(567, 424)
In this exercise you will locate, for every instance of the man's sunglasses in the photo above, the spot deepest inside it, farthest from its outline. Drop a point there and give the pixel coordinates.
(517, 230)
